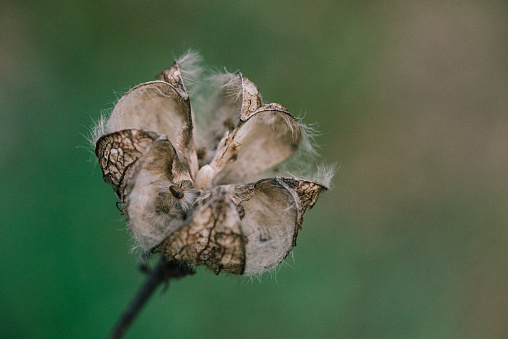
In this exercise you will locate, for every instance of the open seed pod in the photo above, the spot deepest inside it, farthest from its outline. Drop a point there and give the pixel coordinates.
(206, 212)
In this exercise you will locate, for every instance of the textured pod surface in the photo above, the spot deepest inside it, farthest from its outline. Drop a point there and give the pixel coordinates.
(117, 152)
(212, 237)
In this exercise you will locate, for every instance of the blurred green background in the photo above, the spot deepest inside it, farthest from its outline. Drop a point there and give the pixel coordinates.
(412, 102)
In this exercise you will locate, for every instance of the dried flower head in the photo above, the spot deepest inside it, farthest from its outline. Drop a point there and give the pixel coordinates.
(196, 197)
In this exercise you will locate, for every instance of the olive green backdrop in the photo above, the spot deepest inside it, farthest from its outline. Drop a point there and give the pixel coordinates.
(412, 103)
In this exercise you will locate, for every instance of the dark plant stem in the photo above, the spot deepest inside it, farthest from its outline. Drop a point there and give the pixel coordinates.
(163, 272)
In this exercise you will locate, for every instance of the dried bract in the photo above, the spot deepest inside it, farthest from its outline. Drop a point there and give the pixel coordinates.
(206, 205)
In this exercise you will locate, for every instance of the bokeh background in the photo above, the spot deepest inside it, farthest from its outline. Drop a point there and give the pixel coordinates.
(412, 102)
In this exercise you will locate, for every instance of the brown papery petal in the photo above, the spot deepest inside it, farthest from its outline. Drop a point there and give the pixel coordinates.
(251, 101)
(272, 211)
(305, 193)
(161, 107)
(117, 152)
(269, 219)
(236, 96)
(152, 210)
(211, 236)
(267, 137)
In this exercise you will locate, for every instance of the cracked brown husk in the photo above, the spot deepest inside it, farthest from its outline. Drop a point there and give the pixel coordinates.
(199, 196)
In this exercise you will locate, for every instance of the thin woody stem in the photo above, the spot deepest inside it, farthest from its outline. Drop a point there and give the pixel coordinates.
(163, 272)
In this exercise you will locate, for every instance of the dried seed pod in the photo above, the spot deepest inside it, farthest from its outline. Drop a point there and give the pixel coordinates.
(194, 212)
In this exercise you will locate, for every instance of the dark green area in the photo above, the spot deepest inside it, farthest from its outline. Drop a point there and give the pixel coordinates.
(410, 101)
